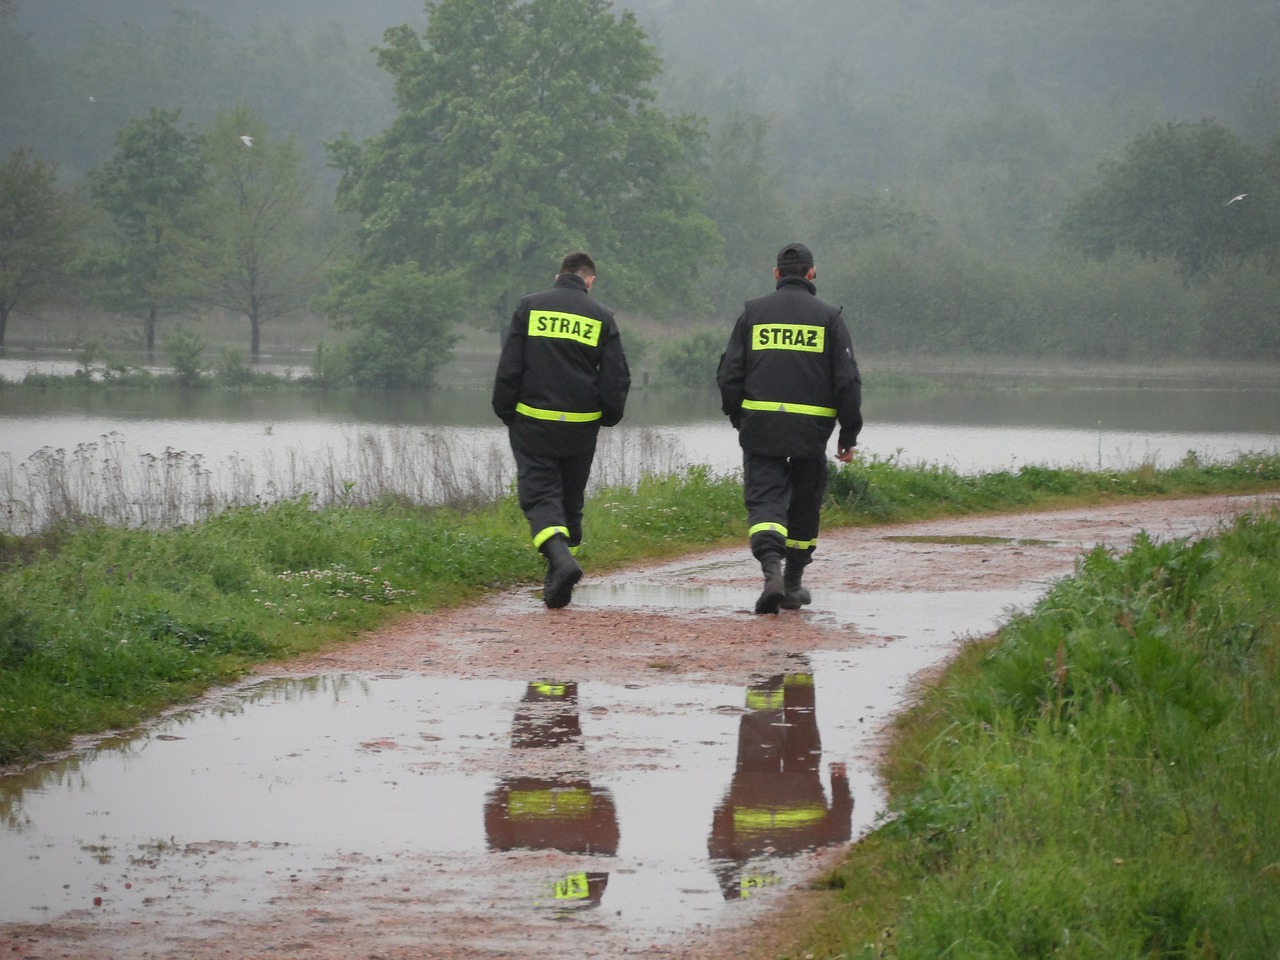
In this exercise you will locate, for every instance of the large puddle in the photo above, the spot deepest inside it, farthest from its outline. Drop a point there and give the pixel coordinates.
(651, 807)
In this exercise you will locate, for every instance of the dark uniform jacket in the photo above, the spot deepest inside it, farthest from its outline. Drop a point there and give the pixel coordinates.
(562, 360)
(789, 374)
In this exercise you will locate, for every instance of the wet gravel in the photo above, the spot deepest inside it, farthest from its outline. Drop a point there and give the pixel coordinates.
(687, 620)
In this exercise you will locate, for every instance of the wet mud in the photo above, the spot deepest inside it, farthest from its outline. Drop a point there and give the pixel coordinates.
(651, 771)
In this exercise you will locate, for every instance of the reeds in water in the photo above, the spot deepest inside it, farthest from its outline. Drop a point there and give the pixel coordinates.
(109, 482)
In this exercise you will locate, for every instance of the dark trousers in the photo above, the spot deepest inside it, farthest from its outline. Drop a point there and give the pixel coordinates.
(784, 503)
(553, 465)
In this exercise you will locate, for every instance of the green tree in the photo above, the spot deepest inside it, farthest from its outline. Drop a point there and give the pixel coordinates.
(37, 233)
(1172, 192)
(405, 325)
(744, 199)
(524, 130)
(148, 191)
(255, 255)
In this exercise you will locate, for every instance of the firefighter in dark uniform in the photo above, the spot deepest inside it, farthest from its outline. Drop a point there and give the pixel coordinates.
(776, 805)
(562, 375)
(786, 378)
(550, 810)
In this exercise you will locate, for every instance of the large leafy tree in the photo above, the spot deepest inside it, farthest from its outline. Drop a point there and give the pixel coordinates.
(147, 191)
(38, 224)
(526, 129)
(1173, 193)
(255, 255)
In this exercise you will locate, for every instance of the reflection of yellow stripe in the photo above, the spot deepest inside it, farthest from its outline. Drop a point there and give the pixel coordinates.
(765, 699)
(545, 689)
(798, 680)
(781, 406)
(537, 413)
(750, 884)
(574, 804)
(784, 818)
(576, 886)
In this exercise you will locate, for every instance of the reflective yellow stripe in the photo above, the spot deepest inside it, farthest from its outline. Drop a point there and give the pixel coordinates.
(565, 326)
(748, 885)
(785, 818)
(765, 699)
(546, 533)
(565, 416)
(548, 689)
(573, 804)
(781, 406)
(576, 886)
(767, 528)
(802, 544)
(798, 680)
(788, 336)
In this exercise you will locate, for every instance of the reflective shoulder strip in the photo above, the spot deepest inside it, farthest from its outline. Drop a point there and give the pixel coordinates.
(781, 406)
(789, 336)
(564, 416)
(565, 326)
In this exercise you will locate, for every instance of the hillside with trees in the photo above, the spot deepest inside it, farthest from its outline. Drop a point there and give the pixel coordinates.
(1030, 179)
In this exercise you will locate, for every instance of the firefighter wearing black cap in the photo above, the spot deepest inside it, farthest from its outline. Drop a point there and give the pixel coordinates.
(786, 378)
(561, 376)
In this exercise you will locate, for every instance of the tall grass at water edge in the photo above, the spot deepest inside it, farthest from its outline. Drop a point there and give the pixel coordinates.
(1100, 780)
(102, 625)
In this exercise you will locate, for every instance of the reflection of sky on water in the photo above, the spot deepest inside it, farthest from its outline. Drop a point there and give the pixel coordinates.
(220, 809)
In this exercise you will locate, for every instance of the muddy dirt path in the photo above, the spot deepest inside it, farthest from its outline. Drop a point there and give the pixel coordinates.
(649, 660)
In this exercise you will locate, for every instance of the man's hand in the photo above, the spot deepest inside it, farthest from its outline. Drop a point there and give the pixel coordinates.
(845, 454)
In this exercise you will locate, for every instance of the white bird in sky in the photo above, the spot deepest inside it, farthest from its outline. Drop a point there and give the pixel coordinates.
(247, 141)
(1235, 198)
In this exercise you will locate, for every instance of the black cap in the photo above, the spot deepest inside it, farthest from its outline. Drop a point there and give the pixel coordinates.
(795, 254)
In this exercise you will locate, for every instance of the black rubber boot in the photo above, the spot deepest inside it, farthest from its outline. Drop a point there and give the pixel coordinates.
(770, 599)
(795, 595)
(562, 573)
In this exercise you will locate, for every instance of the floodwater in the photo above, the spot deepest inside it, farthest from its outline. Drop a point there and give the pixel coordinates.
(665, 804)
(231, 448)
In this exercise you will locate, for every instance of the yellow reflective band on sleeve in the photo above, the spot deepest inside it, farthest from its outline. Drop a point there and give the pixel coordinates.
(788, 336)
(576, 886)
(802, 544)
(781, 406)
(565, 416)
(767, 528)
(564, 326)
(546, 533)
(572, 804)
(784, 818)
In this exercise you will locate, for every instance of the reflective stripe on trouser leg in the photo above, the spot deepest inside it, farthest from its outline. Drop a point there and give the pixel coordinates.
(553, 465)
(808, 487)
(766, 490)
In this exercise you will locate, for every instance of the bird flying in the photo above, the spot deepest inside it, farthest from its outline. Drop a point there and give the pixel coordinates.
(1235, 198)
(247, 141)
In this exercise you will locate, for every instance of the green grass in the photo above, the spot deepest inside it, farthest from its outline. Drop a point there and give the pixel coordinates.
(1101, 780)
(102, 626)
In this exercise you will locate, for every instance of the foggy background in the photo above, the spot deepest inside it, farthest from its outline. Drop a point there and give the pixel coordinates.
(968, 127)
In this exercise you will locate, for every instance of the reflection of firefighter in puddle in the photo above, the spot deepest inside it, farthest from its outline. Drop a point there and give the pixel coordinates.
(561, 811)
(776, 804)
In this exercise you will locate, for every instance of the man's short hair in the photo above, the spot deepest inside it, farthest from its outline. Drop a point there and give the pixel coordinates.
(794, 260)
(580, 263)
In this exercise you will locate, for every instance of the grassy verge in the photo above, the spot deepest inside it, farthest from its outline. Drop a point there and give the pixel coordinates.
(1100, 780)
(102, 626)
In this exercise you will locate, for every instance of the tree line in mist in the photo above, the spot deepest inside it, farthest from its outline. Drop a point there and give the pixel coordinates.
(998, 179)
